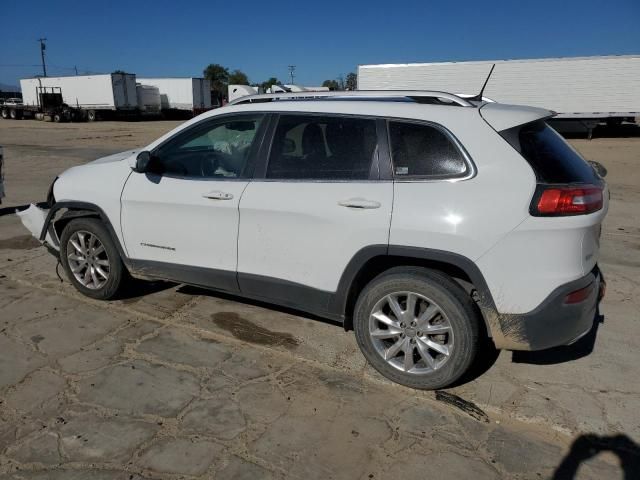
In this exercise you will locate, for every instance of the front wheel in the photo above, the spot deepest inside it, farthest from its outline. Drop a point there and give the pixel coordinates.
(417, 327)
(90, 259)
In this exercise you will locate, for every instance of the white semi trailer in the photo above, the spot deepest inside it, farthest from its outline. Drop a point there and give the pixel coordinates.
(586, 90)
(182, 96)
(97, 96)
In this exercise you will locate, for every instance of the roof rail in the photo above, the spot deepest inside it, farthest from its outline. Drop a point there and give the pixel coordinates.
(419, 96)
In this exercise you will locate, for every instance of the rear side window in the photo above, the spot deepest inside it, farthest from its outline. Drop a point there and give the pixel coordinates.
(322, 147)
(551, 157)
(424, 151)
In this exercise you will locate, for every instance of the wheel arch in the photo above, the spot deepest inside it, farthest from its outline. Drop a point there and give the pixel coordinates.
(372, 261)
(75, 210)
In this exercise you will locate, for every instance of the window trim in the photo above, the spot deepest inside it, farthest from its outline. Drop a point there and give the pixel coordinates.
(378, 167)
(254, 152)
(471, 167)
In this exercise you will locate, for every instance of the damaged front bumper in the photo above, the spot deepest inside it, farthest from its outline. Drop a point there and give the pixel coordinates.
(37, 221)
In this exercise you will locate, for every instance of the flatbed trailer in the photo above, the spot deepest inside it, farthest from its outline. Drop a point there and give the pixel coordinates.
(49, 106)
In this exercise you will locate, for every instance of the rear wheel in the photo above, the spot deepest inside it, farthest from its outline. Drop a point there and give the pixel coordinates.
(90, 258)
(417, 327)
(14, 114)
(4, 113)
(92, 116)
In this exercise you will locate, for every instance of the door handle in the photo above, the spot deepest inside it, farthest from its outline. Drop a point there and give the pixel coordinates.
(218, 195)
(359, 203)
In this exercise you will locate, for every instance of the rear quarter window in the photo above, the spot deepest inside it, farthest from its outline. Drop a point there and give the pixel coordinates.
(424, 151)
(553, 160)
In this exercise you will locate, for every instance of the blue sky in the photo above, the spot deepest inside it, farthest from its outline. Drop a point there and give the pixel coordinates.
(322, 38)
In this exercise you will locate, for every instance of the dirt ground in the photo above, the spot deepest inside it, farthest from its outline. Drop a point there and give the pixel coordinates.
(176, 382)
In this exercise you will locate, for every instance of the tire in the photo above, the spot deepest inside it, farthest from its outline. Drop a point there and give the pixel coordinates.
(91, 116)
(13, 113)
(5, 113)
(456, 320)
(57, 118)
(98, 287)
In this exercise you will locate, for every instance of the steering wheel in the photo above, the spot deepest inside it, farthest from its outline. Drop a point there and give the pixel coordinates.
(209, 164)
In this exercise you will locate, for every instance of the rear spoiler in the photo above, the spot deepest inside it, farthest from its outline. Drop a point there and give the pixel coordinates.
(501, 116)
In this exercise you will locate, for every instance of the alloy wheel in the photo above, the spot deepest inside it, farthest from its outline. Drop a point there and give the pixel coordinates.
(88, 260)
(411, 332)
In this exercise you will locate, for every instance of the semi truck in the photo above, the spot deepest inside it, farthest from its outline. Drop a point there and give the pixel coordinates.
(584, 91)
(95, 96)
(182, 97)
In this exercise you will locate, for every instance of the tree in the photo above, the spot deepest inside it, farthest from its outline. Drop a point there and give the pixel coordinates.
(219, 78)
(238, 77)
(352, 81)
(269, 83)
(332, 84)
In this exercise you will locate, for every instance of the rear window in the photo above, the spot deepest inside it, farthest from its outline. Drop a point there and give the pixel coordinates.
(551, 157)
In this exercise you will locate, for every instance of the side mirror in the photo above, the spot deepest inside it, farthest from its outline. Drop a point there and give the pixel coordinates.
(142, 162)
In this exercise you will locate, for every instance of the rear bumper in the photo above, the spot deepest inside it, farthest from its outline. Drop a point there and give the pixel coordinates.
(554, 322)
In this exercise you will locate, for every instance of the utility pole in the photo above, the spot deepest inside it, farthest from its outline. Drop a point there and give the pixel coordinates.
(76, 68)
(43, 47)
(292, 70)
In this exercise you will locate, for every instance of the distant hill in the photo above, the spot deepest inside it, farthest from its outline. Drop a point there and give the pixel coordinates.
(9, 88)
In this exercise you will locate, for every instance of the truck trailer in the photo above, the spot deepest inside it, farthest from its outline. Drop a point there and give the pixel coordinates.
(582, 90)
(180, 97)
(97, 96)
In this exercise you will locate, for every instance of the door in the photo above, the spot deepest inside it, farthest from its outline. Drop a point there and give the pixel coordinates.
(318, 203)
(180, 219)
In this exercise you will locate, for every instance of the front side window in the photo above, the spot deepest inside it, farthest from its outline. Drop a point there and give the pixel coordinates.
(421, 150)
(216, 149)
(322, 148)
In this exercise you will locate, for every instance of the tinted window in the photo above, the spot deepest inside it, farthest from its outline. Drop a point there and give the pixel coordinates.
(315, 147)
(424, 151)
(216, 149)
(552, 159)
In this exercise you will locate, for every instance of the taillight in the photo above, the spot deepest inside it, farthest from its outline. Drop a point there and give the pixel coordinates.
(554, 201)
(579, 295)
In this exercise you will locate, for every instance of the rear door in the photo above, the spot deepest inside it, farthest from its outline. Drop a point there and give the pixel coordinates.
(313, 205)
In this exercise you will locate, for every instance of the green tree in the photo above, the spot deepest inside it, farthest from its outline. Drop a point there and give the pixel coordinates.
(219, 78)
(269, 83)
(237, 77)
(351, 82)
(332, 84)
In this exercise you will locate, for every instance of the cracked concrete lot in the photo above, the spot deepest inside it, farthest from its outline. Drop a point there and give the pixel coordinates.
(177, 382)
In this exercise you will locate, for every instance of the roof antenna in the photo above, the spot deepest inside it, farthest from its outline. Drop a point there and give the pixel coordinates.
(478, 97)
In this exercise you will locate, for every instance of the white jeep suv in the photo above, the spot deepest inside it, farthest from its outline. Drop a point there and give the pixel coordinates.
(424, 221)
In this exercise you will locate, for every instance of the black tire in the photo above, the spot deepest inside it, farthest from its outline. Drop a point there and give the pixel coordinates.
(91, 116)
(13, 113)
(5, 113)
(117, 271)
(461, 312)
(57, 118)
